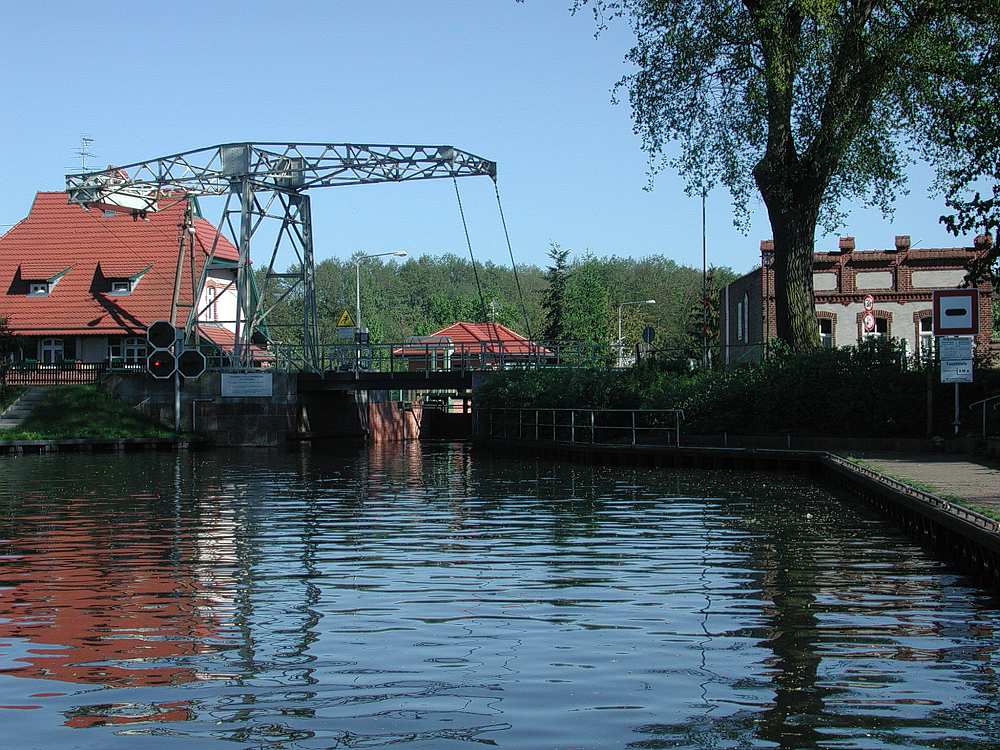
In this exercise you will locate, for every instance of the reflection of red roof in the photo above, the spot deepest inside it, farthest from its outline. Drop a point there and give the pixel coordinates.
(492, 338)
(57, 235)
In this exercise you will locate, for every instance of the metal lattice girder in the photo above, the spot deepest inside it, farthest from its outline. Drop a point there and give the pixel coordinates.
(286, 167)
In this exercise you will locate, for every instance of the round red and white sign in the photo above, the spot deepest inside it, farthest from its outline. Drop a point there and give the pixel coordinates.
(869, 322)
(869, 303)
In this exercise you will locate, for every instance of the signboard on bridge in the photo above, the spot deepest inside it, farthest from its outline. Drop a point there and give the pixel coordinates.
(246, 385)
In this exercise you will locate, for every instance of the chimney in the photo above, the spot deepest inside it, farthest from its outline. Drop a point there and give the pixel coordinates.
(767, 246)
(902, 242)
(846, 244)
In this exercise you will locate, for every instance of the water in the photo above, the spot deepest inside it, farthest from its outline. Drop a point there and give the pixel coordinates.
(435, 597)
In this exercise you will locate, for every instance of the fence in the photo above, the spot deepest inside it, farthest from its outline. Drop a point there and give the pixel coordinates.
(583, 426)
(67, 373)
(990, 413)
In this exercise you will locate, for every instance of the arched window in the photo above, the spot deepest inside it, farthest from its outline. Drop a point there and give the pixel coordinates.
(926, 342)
(881, 329)
(825, 333)
(210, 311)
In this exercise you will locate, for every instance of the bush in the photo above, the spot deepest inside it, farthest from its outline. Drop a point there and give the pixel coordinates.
(865, 391)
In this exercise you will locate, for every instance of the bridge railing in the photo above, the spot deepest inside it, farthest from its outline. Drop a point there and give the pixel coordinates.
(423, 357)
(642, 427)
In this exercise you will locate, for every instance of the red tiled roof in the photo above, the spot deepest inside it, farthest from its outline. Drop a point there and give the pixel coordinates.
(225, 339)
(488, 337)
(58, 235)
(41, 270)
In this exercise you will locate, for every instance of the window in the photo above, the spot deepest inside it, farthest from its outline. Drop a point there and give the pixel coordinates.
(210, 311)
(926, 343)
(826, 333)
(881, 329)
(51, 351)
(121, 287)
(746, 316)
(134, 350)
(38, 289)
(130, 350)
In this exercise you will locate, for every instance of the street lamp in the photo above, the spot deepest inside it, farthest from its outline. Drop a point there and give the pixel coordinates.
(357, 280)
(621, 339)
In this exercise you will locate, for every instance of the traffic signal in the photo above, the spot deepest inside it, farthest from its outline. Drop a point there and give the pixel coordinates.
(161, 364)
(161, 334)
(191, 363)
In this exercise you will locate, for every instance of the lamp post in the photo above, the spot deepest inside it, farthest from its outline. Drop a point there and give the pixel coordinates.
(357, 280)
(621, 340)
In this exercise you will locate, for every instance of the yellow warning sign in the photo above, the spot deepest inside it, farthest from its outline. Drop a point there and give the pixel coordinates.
(345, 320)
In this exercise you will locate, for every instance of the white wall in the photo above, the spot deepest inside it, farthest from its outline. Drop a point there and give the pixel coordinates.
(901, 327)
(225, 304)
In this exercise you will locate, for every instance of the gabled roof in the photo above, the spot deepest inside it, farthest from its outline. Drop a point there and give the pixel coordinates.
(487, 337)
(56, 236)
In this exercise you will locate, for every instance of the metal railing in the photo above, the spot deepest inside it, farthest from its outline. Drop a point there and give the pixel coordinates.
(989, 406)
(64, 373)
(639, 427)
(410, 356)
(978, 519)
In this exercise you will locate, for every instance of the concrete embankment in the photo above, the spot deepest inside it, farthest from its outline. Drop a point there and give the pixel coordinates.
(948, 528)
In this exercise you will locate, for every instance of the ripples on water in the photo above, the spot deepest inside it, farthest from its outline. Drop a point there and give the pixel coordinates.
(435, 597)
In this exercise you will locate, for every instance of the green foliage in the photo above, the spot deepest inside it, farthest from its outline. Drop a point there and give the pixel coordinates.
(586, 312)
(427, 293)
(554, 296)
(813, 103)
(863, 391)
(7, 339)
(82, 411)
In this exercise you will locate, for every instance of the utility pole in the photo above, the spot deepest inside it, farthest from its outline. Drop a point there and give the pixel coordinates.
(704, 286)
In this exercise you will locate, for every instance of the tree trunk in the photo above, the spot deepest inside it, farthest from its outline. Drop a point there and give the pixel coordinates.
(793, 208)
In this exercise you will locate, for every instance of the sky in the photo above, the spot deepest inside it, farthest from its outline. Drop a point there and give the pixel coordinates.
(524, 84)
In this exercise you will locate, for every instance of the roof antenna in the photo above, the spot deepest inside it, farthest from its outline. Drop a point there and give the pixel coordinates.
(84, 152)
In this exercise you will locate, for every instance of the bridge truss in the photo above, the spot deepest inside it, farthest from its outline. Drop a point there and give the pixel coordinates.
(267, 182)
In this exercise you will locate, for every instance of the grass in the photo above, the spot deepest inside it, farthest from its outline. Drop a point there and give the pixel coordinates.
(8, 396)
(82, 411)
(928, 488)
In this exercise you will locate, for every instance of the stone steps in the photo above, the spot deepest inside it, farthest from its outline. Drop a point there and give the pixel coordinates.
(21, 409)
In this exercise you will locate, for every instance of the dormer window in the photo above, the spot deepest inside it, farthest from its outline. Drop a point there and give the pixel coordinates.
(38, 289)
(121, 287)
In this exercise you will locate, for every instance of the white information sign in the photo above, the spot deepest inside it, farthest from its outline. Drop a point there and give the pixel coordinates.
(956, 371)
(955, 347)
(955, 353)
(246, 384)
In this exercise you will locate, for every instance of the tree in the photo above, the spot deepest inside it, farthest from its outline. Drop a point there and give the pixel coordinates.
(704, 310)
(586, 304)
(554, 296)
(809, 101)
(8, 342)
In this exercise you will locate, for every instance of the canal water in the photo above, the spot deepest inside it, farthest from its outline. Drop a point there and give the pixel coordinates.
(437, 597)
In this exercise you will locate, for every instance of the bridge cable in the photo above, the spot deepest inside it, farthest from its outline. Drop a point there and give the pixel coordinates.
(513, 265)
(472, 257)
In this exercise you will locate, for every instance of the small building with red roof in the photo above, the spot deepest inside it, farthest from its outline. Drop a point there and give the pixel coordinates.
(80, 285)
(469, 345)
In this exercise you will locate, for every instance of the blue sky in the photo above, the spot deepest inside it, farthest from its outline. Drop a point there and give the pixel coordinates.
(527, 85)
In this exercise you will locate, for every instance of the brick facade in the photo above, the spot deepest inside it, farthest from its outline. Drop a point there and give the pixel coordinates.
(900, 280)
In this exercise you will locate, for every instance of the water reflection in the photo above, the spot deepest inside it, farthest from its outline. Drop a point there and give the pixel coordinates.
(414, 594)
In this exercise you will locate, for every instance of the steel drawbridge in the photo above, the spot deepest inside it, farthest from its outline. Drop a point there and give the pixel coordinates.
(268, 182)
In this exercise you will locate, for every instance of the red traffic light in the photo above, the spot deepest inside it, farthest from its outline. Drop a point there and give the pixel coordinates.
(161, 334)
(161, 364)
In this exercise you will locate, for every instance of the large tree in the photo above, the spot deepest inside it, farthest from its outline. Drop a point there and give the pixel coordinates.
(554, 296)
(811, 102)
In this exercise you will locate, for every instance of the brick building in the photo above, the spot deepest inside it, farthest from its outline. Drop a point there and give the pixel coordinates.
(900, 280)
(82, 286)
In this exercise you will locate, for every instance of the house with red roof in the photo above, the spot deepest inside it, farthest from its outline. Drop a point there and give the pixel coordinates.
(469, 345)
(79, 285)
